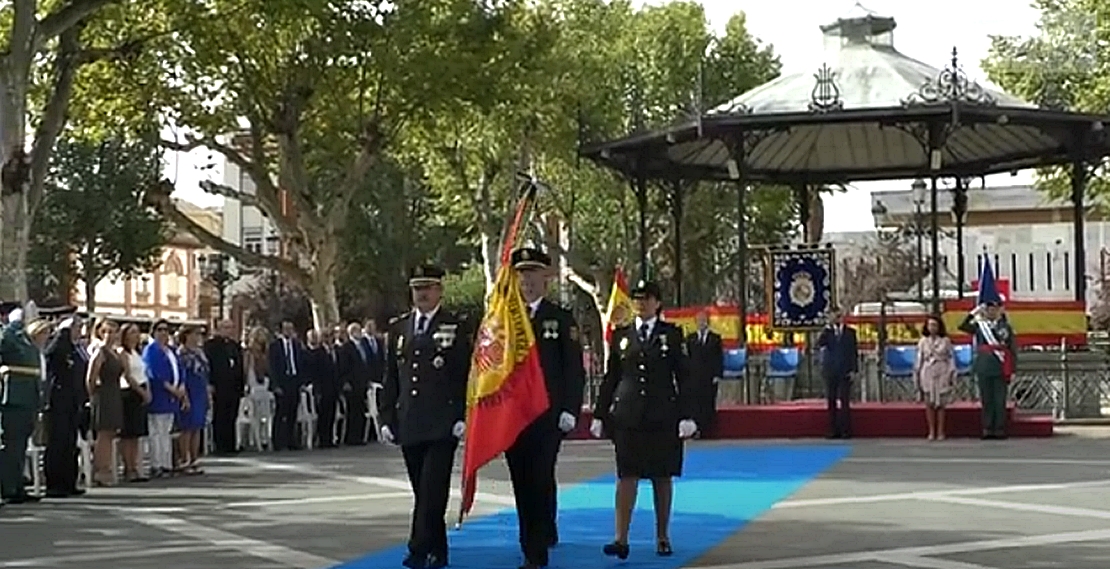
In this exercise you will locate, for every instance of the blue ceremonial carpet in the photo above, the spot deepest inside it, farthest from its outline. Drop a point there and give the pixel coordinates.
(721, 490)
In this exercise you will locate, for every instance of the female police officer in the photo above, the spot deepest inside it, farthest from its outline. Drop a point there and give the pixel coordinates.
(646, 409)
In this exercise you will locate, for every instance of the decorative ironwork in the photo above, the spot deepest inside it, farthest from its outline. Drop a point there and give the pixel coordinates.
(825, 96)
(952, 85)
(734, 108)
(802, 287)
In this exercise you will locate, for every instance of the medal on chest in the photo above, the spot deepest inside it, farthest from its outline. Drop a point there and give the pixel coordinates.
(437, 362)
(550, 330)
(664, 348)
(444, 336)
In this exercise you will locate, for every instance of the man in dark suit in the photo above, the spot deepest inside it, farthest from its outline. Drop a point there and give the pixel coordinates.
(532, 457)
(372, 339)
(356, 364)
(66, 363)
(706, 366)
(287, 376)
(424, 408)
(839, 361)
(225, 357)
(322, 361)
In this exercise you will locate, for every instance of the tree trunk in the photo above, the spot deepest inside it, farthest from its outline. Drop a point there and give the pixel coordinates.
(14, 182)
(321, 289)
(90, 295)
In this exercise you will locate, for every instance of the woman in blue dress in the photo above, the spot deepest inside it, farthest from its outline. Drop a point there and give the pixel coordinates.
(194, 409)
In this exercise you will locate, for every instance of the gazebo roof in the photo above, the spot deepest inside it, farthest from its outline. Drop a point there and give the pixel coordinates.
(865, 68)
(868, 113)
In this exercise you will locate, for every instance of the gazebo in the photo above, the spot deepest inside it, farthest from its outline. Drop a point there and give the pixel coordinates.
(867, 113)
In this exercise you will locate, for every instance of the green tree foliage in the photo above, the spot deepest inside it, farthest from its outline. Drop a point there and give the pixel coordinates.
(93, 212)
(1062, 66)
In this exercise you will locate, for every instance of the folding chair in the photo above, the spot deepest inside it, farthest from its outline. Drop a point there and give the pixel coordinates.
(339, 430)
(373, 418)
(306, 417)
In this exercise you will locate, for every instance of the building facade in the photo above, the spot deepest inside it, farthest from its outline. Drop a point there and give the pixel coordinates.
(1029, 239)
(174, 291)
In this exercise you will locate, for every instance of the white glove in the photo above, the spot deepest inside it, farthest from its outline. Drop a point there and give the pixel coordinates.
(716, 380)
(687, 428)
(567, 422)
(595, 428)
(387, 434)
(459, 429)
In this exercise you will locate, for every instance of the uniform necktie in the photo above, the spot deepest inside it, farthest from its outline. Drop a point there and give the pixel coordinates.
(421, 323)
(644, 329)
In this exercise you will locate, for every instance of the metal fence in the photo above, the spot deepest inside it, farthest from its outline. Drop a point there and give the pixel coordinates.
(1066, 385)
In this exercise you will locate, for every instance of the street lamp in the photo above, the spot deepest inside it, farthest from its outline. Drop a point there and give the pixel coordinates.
(917, 191)
(216, 269)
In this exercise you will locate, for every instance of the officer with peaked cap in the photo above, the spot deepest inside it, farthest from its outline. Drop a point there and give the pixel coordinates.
(65, 394)
(423, 407)
(646, 405)
(532, 457)
(993, 364)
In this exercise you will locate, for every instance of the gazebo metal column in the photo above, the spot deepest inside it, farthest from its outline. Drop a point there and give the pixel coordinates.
(959, 212)
(677, 205)
(640, 190)
(1078, 187)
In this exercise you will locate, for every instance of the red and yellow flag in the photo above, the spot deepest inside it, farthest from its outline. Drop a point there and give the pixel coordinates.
(620, 310)
(506, 390)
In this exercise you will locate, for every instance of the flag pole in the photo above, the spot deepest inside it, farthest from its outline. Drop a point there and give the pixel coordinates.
(523, 211)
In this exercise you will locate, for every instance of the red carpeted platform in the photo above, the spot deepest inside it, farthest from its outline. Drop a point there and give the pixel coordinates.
(808, 419)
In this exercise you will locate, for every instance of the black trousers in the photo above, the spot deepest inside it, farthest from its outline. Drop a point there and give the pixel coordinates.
(531, 462)
(61, 445)
(225, 410)
(356, 416)
(285, 419)
(325, 418)
(429, 467)
(839, 390)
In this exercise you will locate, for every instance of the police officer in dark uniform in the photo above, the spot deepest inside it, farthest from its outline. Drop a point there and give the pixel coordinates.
(66, 364)
(647, 407)
(532, 457)
(424, 408)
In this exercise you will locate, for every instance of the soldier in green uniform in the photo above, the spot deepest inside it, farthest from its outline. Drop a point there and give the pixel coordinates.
(993, 365)
(23, 369)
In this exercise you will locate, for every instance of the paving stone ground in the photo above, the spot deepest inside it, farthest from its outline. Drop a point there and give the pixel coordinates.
(1019, 504)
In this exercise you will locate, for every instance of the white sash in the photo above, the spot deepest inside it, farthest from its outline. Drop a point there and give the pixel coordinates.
(992, 340)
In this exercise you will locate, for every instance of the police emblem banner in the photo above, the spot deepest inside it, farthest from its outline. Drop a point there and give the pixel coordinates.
(801, 288)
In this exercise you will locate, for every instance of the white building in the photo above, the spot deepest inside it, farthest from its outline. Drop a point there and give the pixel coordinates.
(246, 225)
(1029, 239)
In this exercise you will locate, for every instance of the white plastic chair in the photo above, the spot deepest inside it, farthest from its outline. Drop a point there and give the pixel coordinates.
(84, 461)
(209, 433)
(36, 467)
(340, 428)
(306, 417)
(373, 418)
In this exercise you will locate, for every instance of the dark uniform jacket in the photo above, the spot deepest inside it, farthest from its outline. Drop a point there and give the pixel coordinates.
(426, 377)
(986, 363)
(643, 388)
(22, 358)
(561, 359)
(65, 370)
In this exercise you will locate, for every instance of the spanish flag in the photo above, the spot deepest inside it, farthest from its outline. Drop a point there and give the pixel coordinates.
(620, 309)
(506, 390)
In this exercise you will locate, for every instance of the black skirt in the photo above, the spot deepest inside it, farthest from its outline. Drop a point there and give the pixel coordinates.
(134, 415)
(648, 453)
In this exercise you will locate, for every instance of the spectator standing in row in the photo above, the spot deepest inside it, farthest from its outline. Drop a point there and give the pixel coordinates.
(322, 363)
(354, 373)
(135, 395)
(105, 374)
(225, 359)
(839, 362)
(166, 389)
(194, 408)
(287, 377)
(935, 372)
(66, 364)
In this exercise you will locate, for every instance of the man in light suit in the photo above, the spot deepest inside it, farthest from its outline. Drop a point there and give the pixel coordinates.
(839, 361)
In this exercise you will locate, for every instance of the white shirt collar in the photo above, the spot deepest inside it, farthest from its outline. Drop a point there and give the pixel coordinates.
(650, 323)
(428, 317)
(534, 306)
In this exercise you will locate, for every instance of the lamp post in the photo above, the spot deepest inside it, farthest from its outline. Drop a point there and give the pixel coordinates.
(216, 270)
(917, 194)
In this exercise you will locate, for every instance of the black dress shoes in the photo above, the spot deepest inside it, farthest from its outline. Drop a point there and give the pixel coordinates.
(616, 549)
(414, 561)
(435, 562)
(663, 549)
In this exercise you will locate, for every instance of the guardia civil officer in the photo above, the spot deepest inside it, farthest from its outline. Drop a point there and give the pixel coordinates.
(424, 406)
(532, 457)
(21, 354)
(647, 407)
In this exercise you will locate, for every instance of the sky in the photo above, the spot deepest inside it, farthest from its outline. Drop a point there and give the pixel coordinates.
(926, 31)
